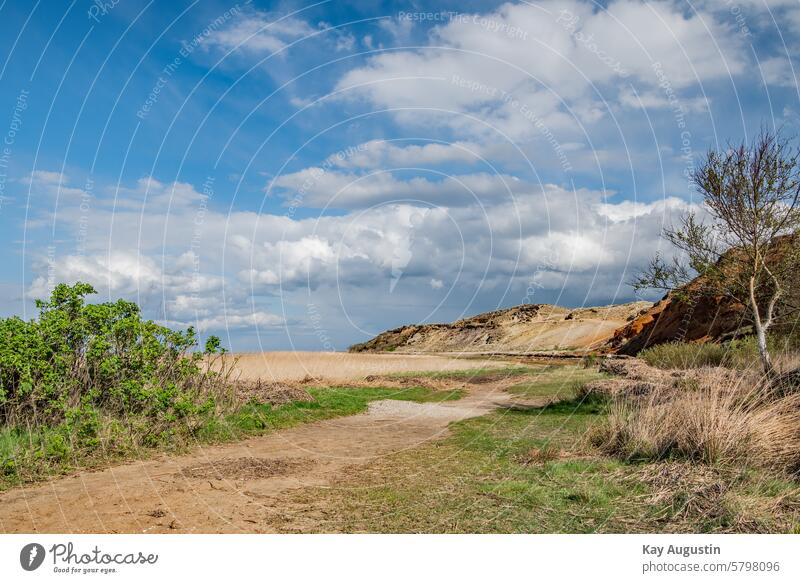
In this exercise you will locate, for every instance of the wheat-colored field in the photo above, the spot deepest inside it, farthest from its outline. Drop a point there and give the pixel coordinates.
(288, 366)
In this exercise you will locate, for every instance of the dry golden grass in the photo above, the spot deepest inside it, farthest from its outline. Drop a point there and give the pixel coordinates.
(341, 366)
(707, 415)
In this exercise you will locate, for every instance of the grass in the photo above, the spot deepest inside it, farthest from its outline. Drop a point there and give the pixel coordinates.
(30, 455)
(477, 480)
(740, 354)
(555, 381)
(338, 367)
(474, 374)
(533, 471)
(679, 355)
(717, 418)
(329, 402)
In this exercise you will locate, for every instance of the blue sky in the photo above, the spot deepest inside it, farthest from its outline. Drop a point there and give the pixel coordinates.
(292, 175)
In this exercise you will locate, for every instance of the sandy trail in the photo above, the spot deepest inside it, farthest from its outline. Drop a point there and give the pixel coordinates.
(239, 487)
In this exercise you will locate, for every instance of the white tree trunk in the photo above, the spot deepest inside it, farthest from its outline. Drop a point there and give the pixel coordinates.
(761, 331)
(763, 351)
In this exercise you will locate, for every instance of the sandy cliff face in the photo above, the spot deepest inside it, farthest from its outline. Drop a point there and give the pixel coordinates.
(702, 317)
(692, 315)
(525, 328)
(696, 320)
(623, 329)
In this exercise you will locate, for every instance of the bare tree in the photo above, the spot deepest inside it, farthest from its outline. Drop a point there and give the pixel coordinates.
(746, 246)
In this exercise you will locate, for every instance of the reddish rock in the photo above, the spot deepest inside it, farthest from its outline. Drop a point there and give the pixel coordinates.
(699, 319)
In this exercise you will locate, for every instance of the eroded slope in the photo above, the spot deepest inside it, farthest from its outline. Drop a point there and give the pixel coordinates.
(525, 328)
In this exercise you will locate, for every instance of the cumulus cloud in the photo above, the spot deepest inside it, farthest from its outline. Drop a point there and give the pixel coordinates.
(156, 194)
(627, 210)
(503, 135)
(233, 271)
(388, 154)
(52, 184)
(237, 320)
(317, 188)
(258, 32)
(778, 71)
(660, 100)
(171, 291)
(564, 53)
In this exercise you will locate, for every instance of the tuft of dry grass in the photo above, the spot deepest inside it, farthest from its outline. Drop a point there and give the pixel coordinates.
(258, 391)
(708, 415)
(540, 455)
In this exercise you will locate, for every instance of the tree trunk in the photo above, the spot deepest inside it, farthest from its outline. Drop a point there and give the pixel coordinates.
(761, 333)
(763, 351)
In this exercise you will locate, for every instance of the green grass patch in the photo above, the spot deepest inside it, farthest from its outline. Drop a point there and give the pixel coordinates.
(556, 381)
(473, 481)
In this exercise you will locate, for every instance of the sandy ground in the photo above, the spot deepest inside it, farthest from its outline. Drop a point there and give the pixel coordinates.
(288, 366)
(242, 487)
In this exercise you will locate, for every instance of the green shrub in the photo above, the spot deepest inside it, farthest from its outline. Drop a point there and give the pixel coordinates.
(78, 360)
(87, 379)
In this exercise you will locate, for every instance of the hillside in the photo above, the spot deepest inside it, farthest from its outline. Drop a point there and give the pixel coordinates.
(697, 320)
(525, 328)
(697, 316)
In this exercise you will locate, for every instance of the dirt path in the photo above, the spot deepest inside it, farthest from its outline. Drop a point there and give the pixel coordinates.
(238, 487)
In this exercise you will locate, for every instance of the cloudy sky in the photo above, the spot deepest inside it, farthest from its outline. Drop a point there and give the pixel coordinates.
(290, 174)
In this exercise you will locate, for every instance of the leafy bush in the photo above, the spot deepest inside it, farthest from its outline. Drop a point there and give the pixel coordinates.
(84, 378)
(105, 357)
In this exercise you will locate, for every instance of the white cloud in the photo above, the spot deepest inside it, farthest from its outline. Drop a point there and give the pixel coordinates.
(778, 71)
(318, 188)
(628, 209)
(659, 100)
(258, 32)
(386, 154)
(152, 193)
(468, 67)
(127, 273)
(52, 184)
(294, 263)
(233, 270)
(241, 320)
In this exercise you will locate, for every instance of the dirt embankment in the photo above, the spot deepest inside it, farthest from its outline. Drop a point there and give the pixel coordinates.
(695, 319)
(698, 313)
(525, 328)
